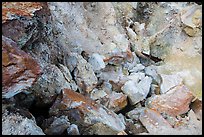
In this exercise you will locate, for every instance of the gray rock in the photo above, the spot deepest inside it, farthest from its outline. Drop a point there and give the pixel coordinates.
(97, 62)
(169, 81)
(137, 91)
(97, 94)
(138, 67)
(16, 124)
(84, 75)
(58, 126)
(152, 72)
(49, 84)
(73, 130)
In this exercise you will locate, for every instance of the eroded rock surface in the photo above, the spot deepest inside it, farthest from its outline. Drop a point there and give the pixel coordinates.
(20, 70)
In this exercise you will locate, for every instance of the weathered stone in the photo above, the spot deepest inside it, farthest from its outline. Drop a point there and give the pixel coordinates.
(96, 32)
(174, 102)
(169, 81)
(152, 72)
(16, 124)
(135, 113)
(19, 23)
(196, 106)
(117, 101)
(137, 91)
(20, 70)
(58, 126)
(97, 62)
(83, 73)
(97, 94)
(86, 112)
(50, 84)
(73, 130)
(134, 128)
(12, 9)
(155, 123)
(138, 67)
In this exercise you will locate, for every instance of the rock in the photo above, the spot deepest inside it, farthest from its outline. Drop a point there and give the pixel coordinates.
(134, 128)
(169, 81)
(136, 77)
(83, 73)
(175, 102)
(135, 113)
(117, 101)
(19, 23)
(50, 84)
(96, 32)
(137, 91)
(97, 94)
(58, 126)
(97, 62)
(138, 67)
(152, 72)
(16, 124)
(196, 106)
(192, 16)
(155, 123)
(73, 130)
(86, 112)
(20, 69)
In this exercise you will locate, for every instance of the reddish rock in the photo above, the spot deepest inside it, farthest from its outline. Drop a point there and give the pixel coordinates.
(20, 70)
(86, 112)
(175, 102)
(117, 101)
(9, 9)
(154, 122)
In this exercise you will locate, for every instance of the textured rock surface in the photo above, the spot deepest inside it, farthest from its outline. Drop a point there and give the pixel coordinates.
(20, 70)
(73, 130)
(137, 91)
(97, 61)
(86, 112)
(16, 124)
(84, 75)
(169, 81)
(58, 126)
(174, 102)
(50, 84)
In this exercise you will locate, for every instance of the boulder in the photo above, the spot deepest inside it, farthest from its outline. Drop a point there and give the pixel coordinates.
(20, 70)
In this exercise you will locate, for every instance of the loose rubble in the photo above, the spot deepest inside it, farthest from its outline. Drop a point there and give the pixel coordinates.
(93, 68)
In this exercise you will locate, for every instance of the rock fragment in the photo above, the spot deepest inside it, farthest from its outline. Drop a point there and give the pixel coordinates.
(20, 70)
(137, 91)
(87, 112)
(169, 81)
(97, 62)
(73, 130)
(16, 124)
(58, 126)
(174, 102)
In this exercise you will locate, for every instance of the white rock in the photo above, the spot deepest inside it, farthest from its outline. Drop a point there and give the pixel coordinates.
(169, 81)
(96, 61)
(73, 130)
(137, 91)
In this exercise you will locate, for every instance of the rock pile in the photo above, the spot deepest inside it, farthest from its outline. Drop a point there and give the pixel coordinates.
(92, 68)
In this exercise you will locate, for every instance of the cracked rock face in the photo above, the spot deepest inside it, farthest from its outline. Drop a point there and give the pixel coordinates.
(20, 70)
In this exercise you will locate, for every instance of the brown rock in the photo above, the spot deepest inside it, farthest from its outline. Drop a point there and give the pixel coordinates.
(154, 122)
(19, 8)
(86, 112)
(117, 101)
(20, 70)
(175, 102)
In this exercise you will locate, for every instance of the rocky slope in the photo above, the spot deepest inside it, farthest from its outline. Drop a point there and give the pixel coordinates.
(93, 68)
